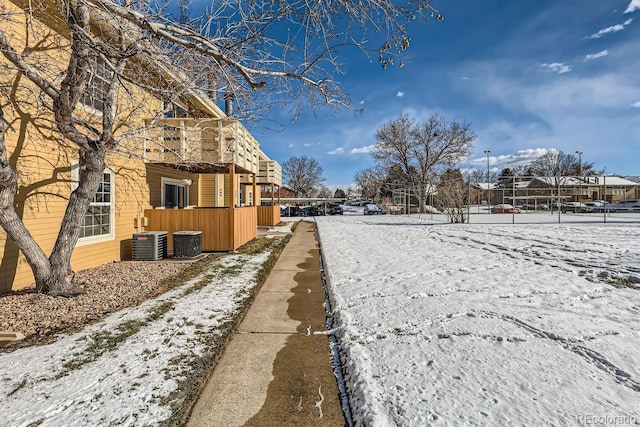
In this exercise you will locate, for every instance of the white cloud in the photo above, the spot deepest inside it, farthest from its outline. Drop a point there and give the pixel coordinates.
(519, 158)
(290, 145)
(596, 55)
(556, 67)
(363, 150)
(308, 144)
(633, 6)
(611, 29)
(400, 94)
(338, 150)
(636, 104)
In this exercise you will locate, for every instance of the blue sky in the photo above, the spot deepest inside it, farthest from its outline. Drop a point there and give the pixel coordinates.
(529, 76)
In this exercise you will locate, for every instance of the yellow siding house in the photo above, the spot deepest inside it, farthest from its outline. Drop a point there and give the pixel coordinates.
(181, 173)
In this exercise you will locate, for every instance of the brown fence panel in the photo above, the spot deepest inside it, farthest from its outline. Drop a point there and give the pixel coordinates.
(222, 228)
(245, 225)
(268, 215)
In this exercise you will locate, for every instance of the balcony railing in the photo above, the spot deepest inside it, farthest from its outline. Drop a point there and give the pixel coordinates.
(270, 172)
(212, 141)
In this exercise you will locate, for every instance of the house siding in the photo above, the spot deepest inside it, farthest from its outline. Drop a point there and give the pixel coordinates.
(44, 160)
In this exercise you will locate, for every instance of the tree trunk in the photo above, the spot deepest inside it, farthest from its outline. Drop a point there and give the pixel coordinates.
(52, 275)
(9, 219)
(91, 167)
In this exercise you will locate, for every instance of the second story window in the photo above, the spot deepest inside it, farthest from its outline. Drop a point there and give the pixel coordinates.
(173, 110)
(98, 85)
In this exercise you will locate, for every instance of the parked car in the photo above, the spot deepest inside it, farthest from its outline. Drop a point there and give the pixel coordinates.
(431, 209)
(625, 205)
(315, 211)
(532, 207)
(288, 211)
(505, 208)
(575, 207)
(393, 209)
(310, 211)
(599, 206)
(335, 210)
(372, 209)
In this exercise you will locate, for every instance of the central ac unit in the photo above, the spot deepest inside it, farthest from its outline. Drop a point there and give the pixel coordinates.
(149, 246)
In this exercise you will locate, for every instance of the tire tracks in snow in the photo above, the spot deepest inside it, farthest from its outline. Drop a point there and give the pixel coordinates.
(588, 354)
(537, 251)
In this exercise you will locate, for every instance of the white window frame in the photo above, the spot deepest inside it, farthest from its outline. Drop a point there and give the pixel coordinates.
(179, 183)
(99, 80)
(75, 177)
(173, 110)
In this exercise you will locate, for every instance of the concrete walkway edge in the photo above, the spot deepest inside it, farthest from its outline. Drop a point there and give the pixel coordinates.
(277, 369)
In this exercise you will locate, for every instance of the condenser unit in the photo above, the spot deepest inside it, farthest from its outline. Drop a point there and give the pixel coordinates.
(187, 244)
(149, 245)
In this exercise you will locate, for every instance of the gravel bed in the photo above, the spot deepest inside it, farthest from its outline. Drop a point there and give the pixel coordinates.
(104, 290)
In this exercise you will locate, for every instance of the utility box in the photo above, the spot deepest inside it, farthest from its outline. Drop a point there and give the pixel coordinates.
(187, 244)
(149, 246)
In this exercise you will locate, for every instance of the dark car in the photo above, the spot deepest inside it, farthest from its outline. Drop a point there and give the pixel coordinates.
(315, 211)
(630, 205)
(289, 211)
(335, 210)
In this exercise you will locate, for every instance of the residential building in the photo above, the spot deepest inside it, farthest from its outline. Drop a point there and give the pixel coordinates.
(567, 188)
(195, 168)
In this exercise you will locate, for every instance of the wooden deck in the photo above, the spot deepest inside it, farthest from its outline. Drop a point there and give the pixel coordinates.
(223, 229)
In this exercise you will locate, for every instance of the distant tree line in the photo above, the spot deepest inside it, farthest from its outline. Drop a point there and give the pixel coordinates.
(423, 157)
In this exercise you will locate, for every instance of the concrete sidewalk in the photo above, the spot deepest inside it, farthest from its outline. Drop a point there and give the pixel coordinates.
(275, 371)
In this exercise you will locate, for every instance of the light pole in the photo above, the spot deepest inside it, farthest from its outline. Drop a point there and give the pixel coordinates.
(579, 153)
(487, 152)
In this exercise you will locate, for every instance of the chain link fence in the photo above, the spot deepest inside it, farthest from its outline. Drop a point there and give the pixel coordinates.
(520, 199)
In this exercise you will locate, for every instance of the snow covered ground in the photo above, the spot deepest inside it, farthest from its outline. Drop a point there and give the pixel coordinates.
(486, 324)
(439, 324)
(80, 380)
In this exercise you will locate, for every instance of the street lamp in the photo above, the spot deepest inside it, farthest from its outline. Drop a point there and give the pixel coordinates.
(487, 152)
(579, 153)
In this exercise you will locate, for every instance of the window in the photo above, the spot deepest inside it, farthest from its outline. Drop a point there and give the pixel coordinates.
(98, 219)
(173, 110)
(174, 194)
(98, 85)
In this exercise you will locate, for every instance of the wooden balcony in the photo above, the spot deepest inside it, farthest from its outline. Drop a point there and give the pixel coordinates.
(223, 229)
(270, 172)
(201, 144)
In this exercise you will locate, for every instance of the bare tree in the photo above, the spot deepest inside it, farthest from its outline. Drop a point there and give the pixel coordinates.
(303, 175)
(559, 165)
(422, 149)
(368, 182)
(324, 192)
(238, 49)
(452, 195)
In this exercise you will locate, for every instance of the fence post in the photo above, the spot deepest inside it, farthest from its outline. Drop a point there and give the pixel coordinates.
(604, 198)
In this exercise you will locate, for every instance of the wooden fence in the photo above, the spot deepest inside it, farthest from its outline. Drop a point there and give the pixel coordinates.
(268, 215)
(223, 229)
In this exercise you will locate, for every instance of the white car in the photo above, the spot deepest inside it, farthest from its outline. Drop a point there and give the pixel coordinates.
(575, 207)
(371, 209)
